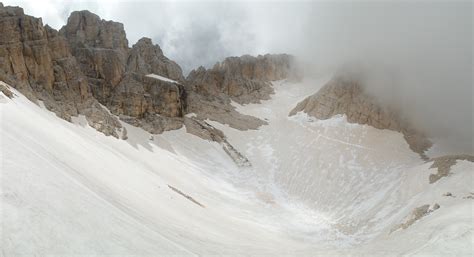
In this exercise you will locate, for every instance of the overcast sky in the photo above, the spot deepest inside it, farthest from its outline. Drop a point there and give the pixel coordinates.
(191, 33)
(202, 32)
(420, 52)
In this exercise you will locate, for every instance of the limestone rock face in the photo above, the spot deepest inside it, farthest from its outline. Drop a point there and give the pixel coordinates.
(37, 61)
(138, 96)
(117, 74)
(101, 48)
(243, 79)
(24, 50)
(89, 62)
(345, 95)
(146, 58)
(85, 29)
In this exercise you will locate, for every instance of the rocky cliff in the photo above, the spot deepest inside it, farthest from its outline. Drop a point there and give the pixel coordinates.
(244, 79)
(147, 58)
(101, 49)
(117, 73)
(37, 61)
(88, 64)
(346, 95)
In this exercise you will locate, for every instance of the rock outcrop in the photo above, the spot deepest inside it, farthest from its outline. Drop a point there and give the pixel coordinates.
(142, 93)
(6, 90)
(117, 74)
(101, 49)
(146, 58)
(417, 214)
(37, 61)
(139, 95)
(443, 165)
(346, 95)
(243, 79)
(206, 131)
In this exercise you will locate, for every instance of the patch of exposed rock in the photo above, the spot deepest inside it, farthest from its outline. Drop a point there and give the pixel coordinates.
(154, 123)
(100, 119)
(345, 95)
(222, 111)
(469, 196)
(416, 215)
(5, 90)
(443, 165)
(243, 79)
(206, 131)
(37, 61)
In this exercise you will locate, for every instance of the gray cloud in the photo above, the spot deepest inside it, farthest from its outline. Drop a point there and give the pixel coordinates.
(211, 31)
(418, 54)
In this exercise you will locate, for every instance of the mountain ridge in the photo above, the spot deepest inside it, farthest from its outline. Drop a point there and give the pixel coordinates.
(90, 57)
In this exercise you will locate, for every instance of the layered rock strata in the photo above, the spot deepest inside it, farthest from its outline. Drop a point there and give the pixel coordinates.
(37, 61)
(88, 65)
(244, 79)
(118, 74)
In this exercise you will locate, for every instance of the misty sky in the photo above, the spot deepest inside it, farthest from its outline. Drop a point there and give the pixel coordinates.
(419, 52)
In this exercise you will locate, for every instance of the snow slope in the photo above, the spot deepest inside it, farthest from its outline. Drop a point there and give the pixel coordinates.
(314, 188)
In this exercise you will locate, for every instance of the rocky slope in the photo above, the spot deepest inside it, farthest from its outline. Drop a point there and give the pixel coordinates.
(346, 95)
(100, 48)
